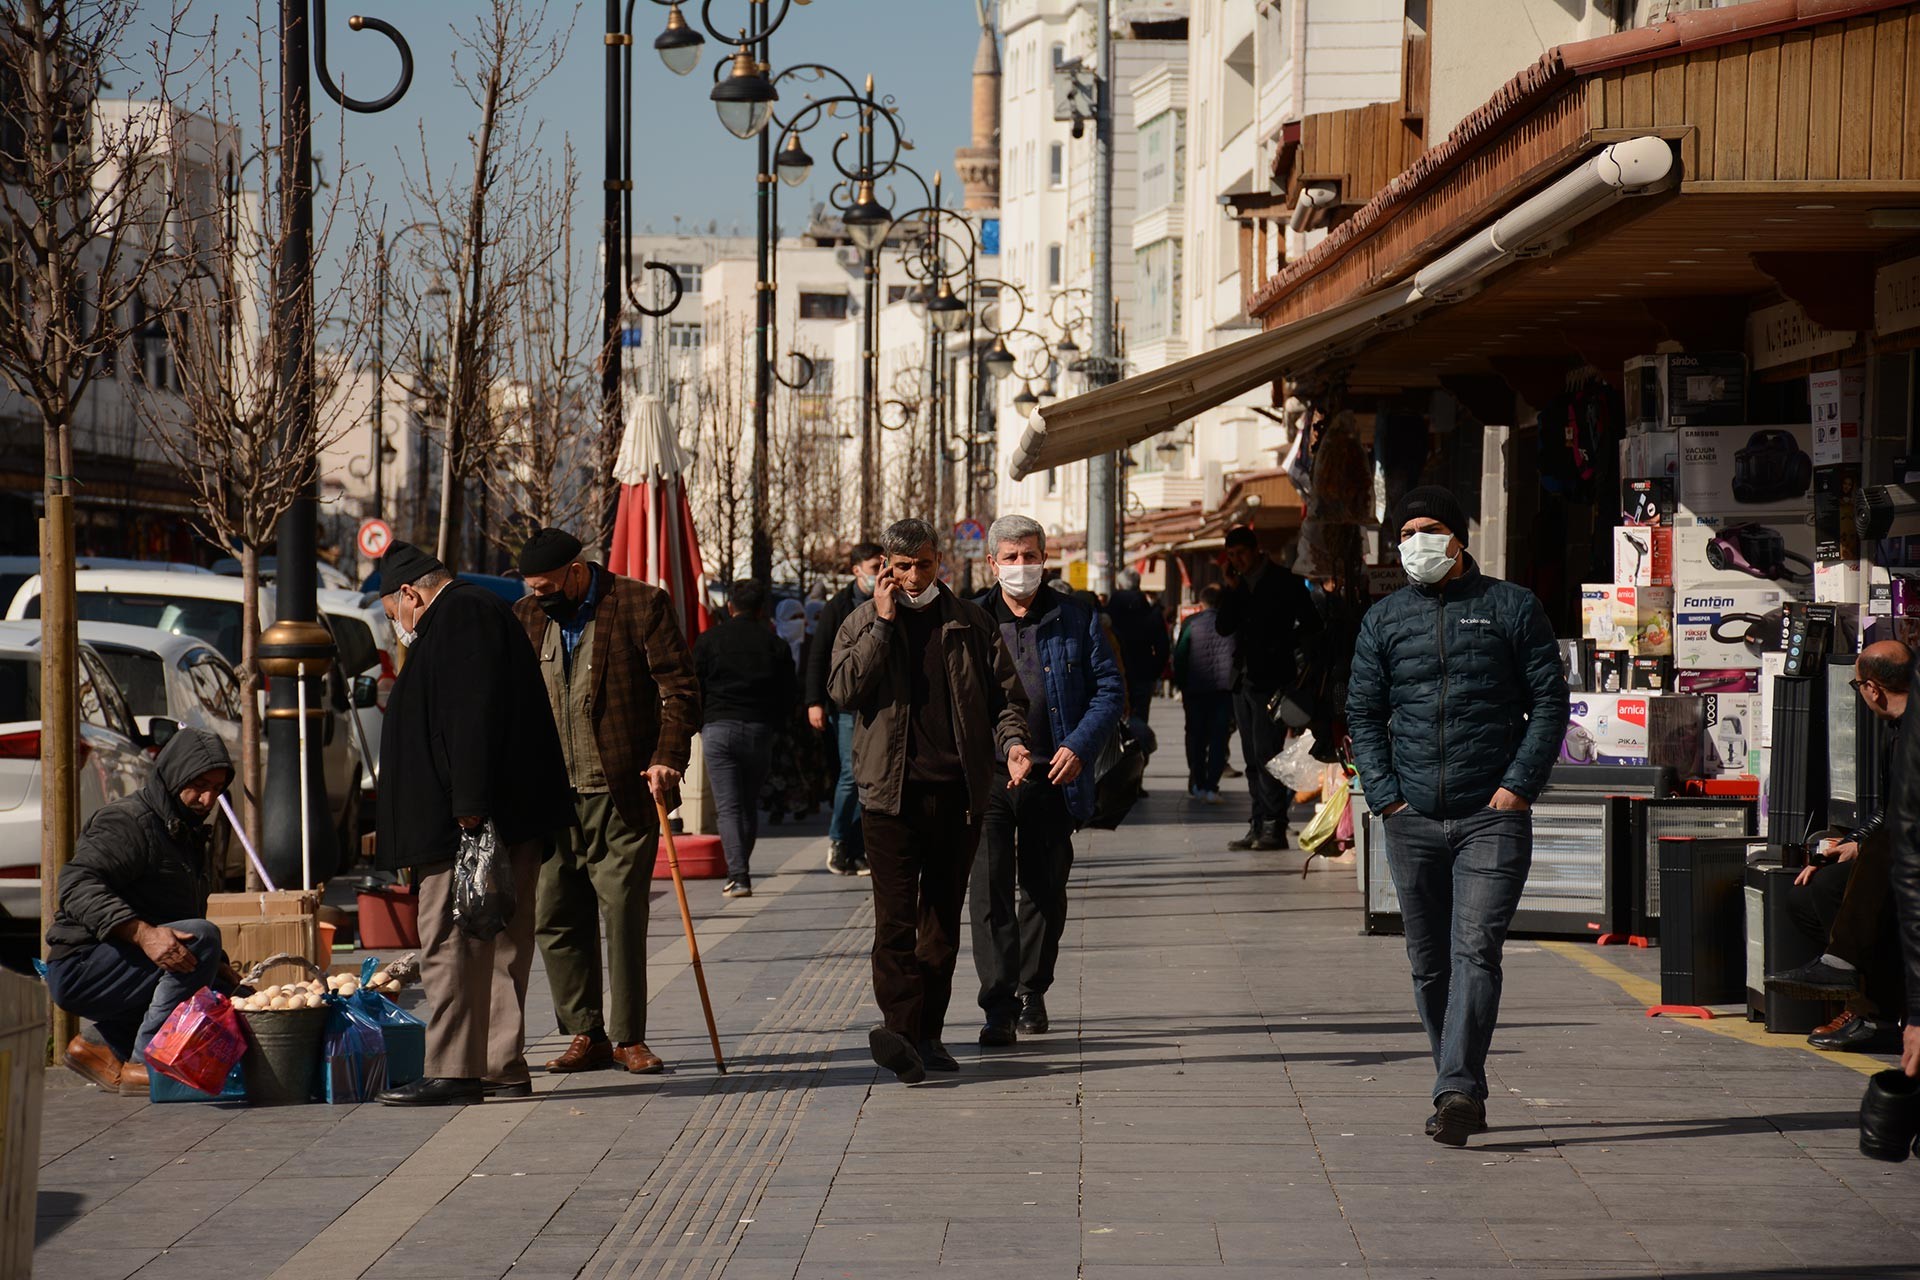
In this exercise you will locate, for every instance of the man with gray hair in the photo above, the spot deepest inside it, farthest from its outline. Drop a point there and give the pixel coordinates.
(1075, 698)
(935, 701)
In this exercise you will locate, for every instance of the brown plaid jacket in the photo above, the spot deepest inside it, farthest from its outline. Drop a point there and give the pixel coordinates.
(646, 699)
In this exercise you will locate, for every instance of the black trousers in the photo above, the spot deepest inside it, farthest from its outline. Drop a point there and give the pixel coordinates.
(1260, 741)
(921, 858)
(1028, 839)
(1847, 909)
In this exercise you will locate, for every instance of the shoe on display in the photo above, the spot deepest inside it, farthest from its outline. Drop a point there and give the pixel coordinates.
(737, 889)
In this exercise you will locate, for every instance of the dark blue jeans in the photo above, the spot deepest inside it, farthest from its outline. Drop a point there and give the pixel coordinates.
(739, 756)
(1209, 724)
(844, 827)
(126, 995)
(1459, 881)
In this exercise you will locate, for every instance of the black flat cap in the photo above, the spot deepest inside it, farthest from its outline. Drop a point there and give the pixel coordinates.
(548, 550)
(405, 564)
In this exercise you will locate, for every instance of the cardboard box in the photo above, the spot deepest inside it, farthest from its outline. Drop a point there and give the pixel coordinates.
(1744, 472)
(1648, 501)
(1772, 666)
(1596, 612)
(1643, 555)
(254, 926)
(1704, 682)
(1676, 390)
(1642, 621)
(1650, 675)
(1836, 490)
(1634, 728)
(1696, 613)
(1835, 396)
(1842, 582)
(1776, 551)
(1651, 456)
(1731, 737)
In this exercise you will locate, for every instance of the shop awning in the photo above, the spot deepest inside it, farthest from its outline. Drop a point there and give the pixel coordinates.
(1143, 406)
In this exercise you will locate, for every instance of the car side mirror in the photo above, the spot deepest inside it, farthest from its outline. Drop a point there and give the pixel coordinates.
(366, 691)
(161, 731)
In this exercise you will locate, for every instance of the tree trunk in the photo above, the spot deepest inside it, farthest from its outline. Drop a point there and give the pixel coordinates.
(251, 761)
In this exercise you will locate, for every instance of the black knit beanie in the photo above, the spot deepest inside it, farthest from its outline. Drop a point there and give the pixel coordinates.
(1434, 503)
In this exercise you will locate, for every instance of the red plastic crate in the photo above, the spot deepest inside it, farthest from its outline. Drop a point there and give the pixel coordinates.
(701, 858)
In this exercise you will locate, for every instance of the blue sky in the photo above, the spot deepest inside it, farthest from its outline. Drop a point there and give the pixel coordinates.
(685, 164)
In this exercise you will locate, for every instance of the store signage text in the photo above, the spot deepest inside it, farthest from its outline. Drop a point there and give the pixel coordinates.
(1782, 334)
(1896, 296)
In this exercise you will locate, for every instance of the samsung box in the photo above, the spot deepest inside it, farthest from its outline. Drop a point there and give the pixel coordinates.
(1712, 626)
(1634, 729)
(1773, 551)
(1643, 555)
(1742, 472)
(1684, 391)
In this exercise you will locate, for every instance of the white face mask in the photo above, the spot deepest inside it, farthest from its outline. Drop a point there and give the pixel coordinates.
(863, 583)
(1424, 557)
(1021, 580)
(925, 598)
(406, 637)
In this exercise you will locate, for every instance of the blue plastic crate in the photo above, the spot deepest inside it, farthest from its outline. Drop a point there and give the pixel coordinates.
(166, 1089)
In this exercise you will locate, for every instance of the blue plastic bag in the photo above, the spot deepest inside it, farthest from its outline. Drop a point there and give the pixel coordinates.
(405, 1035)
(353, 1054)
(162, 1089)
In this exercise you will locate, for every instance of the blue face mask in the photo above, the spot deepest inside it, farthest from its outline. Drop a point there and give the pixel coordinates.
(1424, 557)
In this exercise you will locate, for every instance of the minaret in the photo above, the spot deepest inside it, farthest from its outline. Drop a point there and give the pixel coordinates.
(979, 164)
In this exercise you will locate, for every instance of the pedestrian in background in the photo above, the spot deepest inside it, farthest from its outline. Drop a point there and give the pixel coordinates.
(1141, 628)
(747, 688)
(846, 850)
(1266, 611)
(1075, 698)
(469, 740)
(935, 700)
(620, 683)
(1203, 671)
(1457, 705)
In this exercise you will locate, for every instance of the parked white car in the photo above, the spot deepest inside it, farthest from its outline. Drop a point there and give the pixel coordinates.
(206, 607)
(115, 760)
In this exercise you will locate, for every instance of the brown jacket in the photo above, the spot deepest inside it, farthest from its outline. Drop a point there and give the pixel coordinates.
(646, 701)
(869, 678)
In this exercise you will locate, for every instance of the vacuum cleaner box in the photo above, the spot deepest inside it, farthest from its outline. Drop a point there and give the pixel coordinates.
(1714, 552)
(1742, 472)
(1675, 390)
(1710, 626)
(1643, 555)
(1731, 736)
(1634, 729)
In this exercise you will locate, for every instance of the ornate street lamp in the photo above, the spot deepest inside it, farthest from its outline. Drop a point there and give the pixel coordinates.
(794, 164)
(745, 98)
(679, 45)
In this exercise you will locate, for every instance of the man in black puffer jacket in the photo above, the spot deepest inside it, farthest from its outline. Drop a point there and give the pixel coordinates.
(1456, 706)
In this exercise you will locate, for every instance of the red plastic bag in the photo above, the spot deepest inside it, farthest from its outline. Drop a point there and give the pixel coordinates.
(199, 1043)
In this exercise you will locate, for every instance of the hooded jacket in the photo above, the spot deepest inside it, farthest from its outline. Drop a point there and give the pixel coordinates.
(143, 858)
(870, 679)
(1456, 691)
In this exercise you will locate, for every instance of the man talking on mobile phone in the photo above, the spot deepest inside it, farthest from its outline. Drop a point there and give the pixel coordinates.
(1457, 706)
(936, 701)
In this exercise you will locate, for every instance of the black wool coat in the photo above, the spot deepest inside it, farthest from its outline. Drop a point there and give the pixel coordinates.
(468, 733)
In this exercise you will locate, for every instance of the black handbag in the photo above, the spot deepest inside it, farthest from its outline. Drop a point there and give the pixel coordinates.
(1117, 779)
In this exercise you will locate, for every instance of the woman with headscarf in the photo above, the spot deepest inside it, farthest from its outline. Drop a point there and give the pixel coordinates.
(790, 623)
(797, 783)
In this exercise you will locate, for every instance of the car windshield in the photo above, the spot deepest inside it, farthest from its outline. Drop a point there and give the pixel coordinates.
(141, 676)
(19, 689)
(215, 621)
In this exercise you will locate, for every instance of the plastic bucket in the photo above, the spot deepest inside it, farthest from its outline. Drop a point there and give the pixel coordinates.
(389, 919)
(282, 1062)
(325, 931)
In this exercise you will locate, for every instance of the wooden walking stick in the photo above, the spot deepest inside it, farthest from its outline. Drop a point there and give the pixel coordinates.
(686, 918)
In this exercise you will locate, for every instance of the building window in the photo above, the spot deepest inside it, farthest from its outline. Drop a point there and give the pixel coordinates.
(689, 273)
(1053, 481)
(685, 336)
(1157, 291)
(896, 293)
(1163, 151)
(1056, 265)
(1057, 165)
(823, 306)
(1059, 54)
(153, 362)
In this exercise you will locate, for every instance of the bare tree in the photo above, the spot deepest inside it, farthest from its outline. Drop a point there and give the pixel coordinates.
(90, 228)
(805, 464)
(718, 494)
(489, 247)
(546, 469)
(225, 429)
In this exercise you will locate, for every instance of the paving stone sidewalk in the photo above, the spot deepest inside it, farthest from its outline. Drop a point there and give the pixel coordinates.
(1233, 1087)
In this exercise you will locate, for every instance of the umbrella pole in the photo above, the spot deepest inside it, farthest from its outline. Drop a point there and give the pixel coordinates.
(686, 919)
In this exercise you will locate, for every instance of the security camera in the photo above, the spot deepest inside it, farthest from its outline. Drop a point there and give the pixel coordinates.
(1886, 511)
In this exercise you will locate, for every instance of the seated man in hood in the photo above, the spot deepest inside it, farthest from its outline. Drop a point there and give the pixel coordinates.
(130, 941)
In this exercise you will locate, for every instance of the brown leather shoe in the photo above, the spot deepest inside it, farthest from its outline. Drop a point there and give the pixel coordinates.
(585, 1054)
(96, 1062)
(1842, 1019)
(133, 1080)
(638, 1059)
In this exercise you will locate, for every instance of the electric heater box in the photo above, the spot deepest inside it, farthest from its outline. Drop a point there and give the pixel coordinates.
(1775, 945)
(1657, 819)
(1797, 784)
(1702, 921)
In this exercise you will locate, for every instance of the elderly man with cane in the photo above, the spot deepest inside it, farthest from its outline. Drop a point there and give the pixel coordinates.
(935, 700)
(621, 686)
(468, 742)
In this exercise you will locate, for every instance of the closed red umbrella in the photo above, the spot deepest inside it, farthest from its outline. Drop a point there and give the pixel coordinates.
(653, 537)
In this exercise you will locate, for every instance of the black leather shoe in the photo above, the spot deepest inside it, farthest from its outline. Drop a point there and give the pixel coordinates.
(1816, 980)
(839, 861)
(1033, 1016)
(999, 1034)
(517, 1089)
(897, 1054)
(1433, 1125)
(934, 1056)
(1251, 840)
(1854, 1034)
(1890, 1116)
(1456, 1117)
(433, 1092)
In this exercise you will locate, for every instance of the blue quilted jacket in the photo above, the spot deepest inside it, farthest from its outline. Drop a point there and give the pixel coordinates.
(1456, 692)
